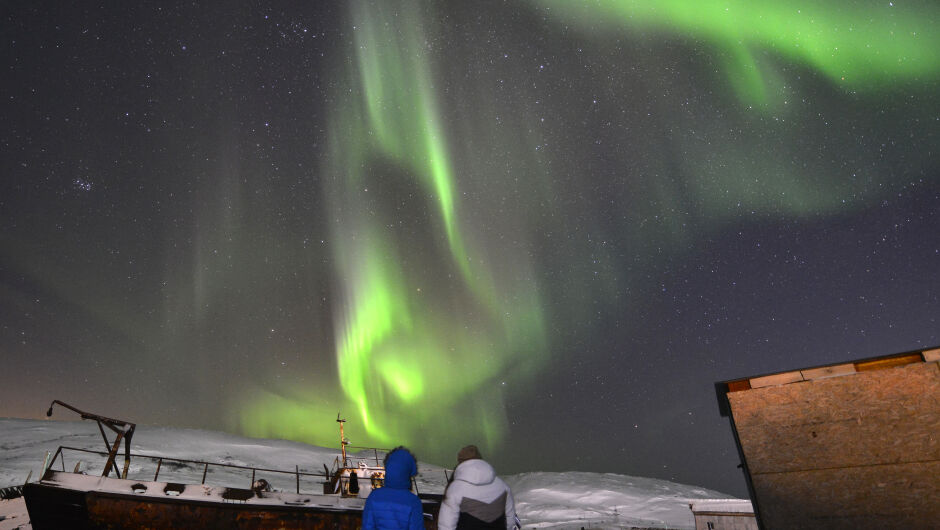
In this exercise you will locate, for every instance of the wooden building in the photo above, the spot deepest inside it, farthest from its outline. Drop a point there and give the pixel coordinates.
(723, 514)
(853, 445)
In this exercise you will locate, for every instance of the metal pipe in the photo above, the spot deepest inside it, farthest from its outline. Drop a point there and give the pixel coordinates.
(51, 462)
(110, 422)
(343, 442)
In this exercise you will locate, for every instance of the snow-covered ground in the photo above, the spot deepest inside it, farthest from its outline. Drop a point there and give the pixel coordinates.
(543, 500)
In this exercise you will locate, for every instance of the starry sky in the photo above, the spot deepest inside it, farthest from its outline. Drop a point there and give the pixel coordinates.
(546, 227)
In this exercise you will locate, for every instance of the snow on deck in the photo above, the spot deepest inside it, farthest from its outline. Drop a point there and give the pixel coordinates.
(721, 506)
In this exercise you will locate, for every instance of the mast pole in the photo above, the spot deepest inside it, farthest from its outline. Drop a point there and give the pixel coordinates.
(342, 438)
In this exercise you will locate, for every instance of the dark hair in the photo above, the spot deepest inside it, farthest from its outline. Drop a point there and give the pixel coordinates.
(469, 452)
(399, 448)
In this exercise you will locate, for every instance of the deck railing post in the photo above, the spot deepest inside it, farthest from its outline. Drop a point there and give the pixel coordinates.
(45, 462)
(298, 478)
(155, 475)
(204, 472)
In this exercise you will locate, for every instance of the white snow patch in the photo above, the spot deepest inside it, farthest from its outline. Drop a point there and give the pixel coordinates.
(543, 500)
(594, 500)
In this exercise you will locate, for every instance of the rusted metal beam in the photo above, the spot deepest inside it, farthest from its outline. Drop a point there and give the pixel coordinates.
(123, 430)
(111, 454)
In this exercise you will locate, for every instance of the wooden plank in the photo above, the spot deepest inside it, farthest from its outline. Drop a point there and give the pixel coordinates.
(868, 418)
(737, 386)
(891, 496)
(776, 379)
(931, 355)
(889, 362)
(828, 371)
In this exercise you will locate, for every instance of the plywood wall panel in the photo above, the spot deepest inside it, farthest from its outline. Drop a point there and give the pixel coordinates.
(855, 451)
(895, 496)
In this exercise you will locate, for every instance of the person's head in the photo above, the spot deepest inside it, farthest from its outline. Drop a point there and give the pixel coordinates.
(400, 466)
(469, 452)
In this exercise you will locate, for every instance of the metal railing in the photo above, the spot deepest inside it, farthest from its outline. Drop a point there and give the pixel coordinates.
(321, 478)
(160, 460)
(358, 449)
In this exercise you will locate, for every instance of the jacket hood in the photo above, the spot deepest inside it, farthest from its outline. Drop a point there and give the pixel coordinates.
(475, 471)
(400, 466)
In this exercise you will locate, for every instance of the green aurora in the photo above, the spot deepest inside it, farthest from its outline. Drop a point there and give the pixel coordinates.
(413, 347)
(436, 317)
(857, 45)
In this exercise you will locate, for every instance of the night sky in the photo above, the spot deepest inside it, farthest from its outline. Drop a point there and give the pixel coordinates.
(546, 227)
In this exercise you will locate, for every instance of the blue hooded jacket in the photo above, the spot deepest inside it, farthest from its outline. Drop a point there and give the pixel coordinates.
(393, 506)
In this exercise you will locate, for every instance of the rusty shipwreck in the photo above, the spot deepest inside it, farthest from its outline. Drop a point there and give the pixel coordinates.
(72, 498)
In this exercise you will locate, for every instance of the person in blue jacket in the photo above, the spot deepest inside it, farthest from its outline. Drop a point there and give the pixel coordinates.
(394, 506)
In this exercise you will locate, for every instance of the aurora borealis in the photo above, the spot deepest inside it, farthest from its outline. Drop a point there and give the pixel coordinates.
(546, 227)
(854, 44)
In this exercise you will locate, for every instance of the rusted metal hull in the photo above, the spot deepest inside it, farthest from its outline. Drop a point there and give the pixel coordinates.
(52, 506)
(57, 508)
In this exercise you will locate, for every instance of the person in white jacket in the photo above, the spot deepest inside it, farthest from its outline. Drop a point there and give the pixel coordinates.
(476, 497)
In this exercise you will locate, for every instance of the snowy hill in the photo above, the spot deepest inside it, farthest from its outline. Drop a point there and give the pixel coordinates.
(543, 500)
